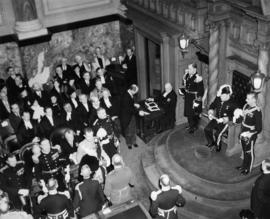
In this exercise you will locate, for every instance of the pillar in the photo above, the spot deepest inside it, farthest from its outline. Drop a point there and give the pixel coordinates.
(165, 58)
(213, 62)
(27, 24)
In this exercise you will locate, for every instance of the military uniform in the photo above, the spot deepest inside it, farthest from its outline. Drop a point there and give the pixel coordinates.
(252, 122)
(56, 206)
(117, 185)
(108, 142)
(223, 110)
(194, 91)
(164, 203)
(51, 166)
(12, 180)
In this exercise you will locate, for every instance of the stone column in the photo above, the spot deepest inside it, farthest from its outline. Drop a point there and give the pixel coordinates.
(165, 58)
(262, 149)
(141, 63)
(27, 23)
(213, 62)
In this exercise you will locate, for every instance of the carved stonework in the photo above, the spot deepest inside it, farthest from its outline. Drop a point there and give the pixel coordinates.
(180, 16)
(192, 23)
(146, 4)
(235, 31)
(165, 9)
(152, 5)
(158, 6)
(173, 12)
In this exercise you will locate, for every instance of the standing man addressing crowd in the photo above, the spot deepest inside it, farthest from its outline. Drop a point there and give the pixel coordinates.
(193, 92)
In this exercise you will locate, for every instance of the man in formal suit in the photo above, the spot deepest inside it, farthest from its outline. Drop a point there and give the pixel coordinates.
(73, 98)
(260, 194)
(127, 115)
(48, 123)
(66, 68)
(10, 83)
(69, 117)
(88, 191)
(83, 112)
(86, 84)
(167, 101)
(100, 61)
(41, 96)
(193, 92)
(15, 116)
(28, 130)
(4, 103)
(130, 65)
(83, 66)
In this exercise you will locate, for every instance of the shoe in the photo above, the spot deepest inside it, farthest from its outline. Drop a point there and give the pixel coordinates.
(218, 148)
(135, 145)
(244, 172)
(239, 168)
(129, 147)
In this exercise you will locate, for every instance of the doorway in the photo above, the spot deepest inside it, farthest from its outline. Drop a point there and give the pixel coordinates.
(153, 68)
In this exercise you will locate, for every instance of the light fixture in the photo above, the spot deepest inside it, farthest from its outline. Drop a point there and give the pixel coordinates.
(257, 81)
(183, 44)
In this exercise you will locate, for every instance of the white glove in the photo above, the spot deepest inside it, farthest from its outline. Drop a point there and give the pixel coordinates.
(141, 113)
(35, 140)
(23, 192)
(137, 105)
(101, 133)
(195, 104)
(220, 120)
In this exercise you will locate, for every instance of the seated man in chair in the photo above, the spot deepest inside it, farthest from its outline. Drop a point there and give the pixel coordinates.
(220, 113)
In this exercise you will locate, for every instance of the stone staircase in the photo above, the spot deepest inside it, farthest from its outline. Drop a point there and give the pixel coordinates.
(206, 199)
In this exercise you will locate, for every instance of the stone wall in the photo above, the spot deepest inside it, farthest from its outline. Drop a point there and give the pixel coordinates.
(9, 55)
(81, 41)
(127, 35)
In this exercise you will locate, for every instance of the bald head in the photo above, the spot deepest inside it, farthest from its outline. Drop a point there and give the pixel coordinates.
(164, 180)
(168, 87)
(117, 161)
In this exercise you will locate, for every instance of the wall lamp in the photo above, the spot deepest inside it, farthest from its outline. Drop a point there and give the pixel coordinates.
(185, 41)
(257, 81)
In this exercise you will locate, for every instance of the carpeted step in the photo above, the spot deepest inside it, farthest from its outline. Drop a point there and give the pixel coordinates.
(228, 192)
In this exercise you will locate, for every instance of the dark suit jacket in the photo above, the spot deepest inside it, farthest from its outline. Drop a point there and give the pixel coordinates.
(14, 121)
(88, 191)
(26, 135)
(4, 114)
(131, 73)
(260, 197)
(86, 89)
(82, 116)
(168, 103)
(127, 110)
(45, 127)
(44, 100)
(72, 124)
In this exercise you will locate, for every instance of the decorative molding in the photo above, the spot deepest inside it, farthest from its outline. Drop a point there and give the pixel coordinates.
(63, 6)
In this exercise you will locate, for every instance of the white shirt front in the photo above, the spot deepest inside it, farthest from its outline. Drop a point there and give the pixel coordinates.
(28, 125)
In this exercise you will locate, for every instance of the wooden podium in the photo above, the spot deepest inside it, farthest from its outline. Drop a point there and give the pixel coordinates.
(131, 209)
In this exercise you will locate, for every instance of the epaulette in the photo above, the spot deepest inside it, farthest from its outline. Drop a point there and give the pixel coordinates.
(155, 194)
(178, 188)
(66, 193)
(198, 79)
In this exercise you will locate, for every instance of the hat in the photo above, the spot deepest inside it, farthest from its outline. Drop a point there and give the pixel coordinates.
(91, 161)
(224, 89)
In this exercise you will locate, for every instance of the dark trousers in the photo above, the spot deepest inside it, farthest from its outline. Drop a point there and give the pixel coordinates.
(213, 132)
(193, 121)
(248, 152)
(130, 132)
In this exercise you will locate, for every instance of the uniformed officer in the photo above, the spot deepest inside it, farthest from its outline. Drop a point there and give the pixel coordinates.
(119, 182)
(193, 92)
(165, 201)
(15, 182)
(251, 117)
(108, 140)
(50, 165)
(220, 113)
(54, 204)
